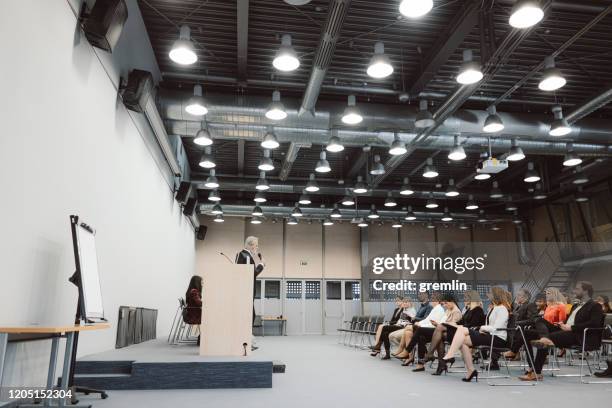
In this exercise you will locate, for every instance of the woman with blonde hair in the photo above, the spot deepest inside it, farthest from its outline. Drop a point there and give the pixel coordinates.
(493, 331)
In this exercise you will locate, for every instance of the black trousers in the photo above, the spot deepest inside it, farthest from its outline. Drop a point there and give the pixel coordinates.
(423, 336)
(561, 339)
(384, 335)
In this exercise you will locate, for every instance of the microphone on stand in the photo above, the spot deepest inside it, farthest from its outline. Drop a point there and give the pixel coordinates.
(226, 257)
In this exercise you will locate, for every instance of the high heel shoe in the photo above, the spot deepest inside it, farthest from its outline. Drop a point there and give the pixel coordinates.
(449, 361)
(408, 361)
(386, 357)
(375, 353)
(442, 368)
(428, 358)
(473, 375)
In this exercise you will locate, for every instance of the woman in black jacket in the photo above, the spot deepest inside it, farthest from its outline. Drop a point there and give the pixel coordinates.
(193, 298)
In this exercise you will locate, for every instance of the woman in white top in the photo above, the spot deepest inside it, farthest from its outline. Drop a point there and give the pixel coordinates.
(464, 338)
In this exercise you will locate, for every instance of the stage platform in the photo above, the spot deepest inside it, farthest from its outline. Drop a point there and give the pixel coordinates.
(158, 365)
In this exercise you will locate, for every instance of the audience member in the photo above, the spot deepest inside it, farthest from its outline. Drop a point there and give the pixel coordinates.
(604, 301)
(407, 315)
(394, 318)
(193, 298)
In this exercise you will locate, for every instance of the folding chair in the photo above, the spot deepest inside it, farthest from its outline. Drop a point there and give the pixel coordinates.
(350, 324)
(175, 322)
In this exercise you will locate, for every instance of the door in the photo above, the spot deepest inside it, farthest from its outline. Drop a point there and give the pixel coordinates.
(313, 307)
(294, 307)
(352, 299)
(271, 299)
(333, 307)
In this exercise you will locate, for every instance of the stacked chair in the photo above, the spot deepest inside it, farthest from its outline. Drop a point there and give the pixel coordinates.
(359, 330)
(181, 332)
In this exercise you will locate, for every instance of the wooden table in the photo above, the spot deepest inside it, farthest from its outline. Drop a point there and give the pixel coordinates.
(44, 332)
(282, 321)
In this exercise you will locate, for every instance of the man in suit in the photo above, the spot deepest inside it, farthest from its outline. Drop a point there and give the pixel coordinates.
(586, 314)
(250, 255)
(523, 314)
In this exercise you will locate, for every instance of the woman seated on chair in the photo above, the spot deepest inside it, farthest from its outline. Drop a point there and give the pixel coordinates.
(423, 334)
(492, 333)
(193, 297)
(604, 301)
(473, 317)
(394, 318)
(406, 317)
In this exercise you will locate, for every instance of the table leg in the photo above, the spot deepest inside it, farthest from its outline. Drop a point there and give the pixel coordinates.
(3, 346)
(52, 364)
(66, 368)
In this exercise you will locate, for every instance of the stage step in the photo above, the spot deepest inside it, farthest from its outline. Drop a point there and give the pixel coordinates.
(134, 375)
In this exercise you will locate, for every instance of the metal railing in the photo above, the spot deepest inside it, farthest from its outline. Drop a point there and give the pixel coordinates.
(546, 265)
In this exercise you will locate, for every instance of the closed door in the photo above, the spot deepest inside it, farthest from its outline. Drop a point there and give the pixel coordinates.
(352, 299)
(333, 307)
(294, 306)
(313, 307)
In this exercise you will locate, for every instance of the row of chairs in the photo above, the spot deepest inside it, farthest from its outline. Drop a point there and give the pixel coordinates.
(182, 332)
(359, 329)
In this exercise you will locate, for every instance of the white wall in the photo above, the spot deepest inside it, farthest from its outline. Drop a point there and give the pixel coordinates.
(68, 146)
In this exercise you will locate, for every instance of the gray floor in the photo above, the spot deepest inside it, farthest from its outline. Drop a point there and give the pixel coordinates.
(321, 373)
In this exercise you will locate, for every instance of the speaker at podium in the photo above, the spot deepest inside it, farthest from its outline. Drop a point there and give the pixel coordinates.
(227, 307)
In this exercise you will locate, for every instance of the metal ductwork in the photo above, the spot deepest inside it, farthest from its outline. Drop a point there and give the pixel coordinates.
(338, 9)
(591, 106)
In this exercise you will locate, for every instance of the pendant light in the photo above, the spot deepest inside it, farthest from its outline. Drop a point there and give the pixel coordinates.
(183, 51)
(396, 224)
(266, 163)
(510, 205)
(446, 217)
(552, 78)
(457, 153)
(207, 161)
(217, 210)
(296, 212)
(352, 114)
(430, 171)
(531, 176)
(334, 145)
(451, 191)
(270, 141)
(276, 109)
(259, 197)
(348, 201)
(515, 153)
(378, 169)
(203, 137)
(292, 221)
(482, 176)
(571, 158)
(360, 187)
(219, 218)
(431, 202)
(580, 177)
(496, 193)
(526, 13)
(262, 183)
(286, 59)
(304, 200)
(312, 186)
(470, 71)
(559, 127)
(196, 105)
(410, 215)
(328, 222)
(580, 197)
(390, 201)
(257, 211)
(214, 196)
(380, 64)
(361, 223)
(323, 165)
(538, 193)
(424, 118)
(406, 190)
(336, 212)
(415, 8)
(373, 213)
(482, 218)
(255, 220)
(493, 123)
(397, 147)
(212, 181)
(471, 204)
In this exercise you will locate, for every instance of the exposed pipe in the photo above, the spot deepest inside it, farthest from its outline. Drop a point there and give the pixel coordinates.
(338, 9)
(591, 106)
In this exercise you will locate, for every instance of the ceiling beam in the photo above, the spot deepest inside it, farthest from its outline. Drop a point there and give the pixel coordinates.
(241, 143)
(243, 38)
(459, 28)
(290, 157)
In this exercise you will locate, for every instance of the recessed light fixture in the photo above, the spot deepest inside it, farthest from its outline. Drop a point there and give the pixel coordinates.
(470, 71)
(424, 118)
(415, 8)
(378, 168)
(216, 210)
(451, 191)
(257, 211)
(312, 186)
(207, 161)
(262, 183)
(430, 171)
(352, 114)
(531, 176)
(360, 187)
(373, 213)
(203, 137)
(211, 181)
(390, 201)
(380, 64)
(270, 141)
(552, 78)
(286, 59)
(560, 126)
(183, 51)
(259, 197)
(219, 218)
(571, 158)
(471, 204)
(526, 13)
(406, 190)
(266, 163)
(515, 153)
(397, 147)
(323, 165)
(214, 196)
(493, 123)
(276, 109)
(457, 153)
(196, 105)
(334, 145)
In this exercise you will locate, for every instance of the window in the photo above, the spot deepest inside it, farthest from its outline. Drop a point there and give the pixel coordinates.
(352, 290)
(272, 289)
(333, 290)
(313, 290)
(294, 290)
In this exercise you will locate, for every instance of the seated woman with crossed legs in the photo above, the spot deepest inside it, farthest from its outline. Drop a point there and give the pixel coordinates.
(465, 338)
(406, 317)
(394, 318)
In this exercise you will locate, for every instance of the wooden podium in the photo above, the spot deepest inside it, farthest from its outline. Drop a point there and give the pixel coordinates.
(227, 311)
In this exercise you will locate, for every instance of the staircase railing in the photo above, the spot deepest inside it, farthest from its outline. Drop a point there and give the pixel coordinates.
(545, 266)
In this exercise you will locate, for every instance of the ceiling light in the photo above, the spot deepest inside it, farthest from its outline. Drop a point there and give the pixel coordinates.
(305, 200)
(196, 105)
(207, 161)
(482, 218)
(296, 212)
(390, 201)
(214, 196)
(336, 212)
(262, 183)
(397, 147)
(276, 109)
(552, 78)
(257, 211)
(446, 217)
(424, 118)
(516, 220)
(526, 13)
(380, 64)
(348, 201)
(373, 213)
(360, 187)
(457, 153)
(495, 191)
(451, 191)
(266, 163)
(511, 206)
(571, 158)
(410, 215)
(286, 59)
(431, 202)
(581, 197)
(538, 194)
(312, 186)
(203, 137)
(323, 165)
(515, 153)
(270, 141)
(361, 223)
(471, 204)
(212, 181)
(352, 114)
(292, 221)
(396, 224)
(430, 171)
(378, 168)
(217, 210)
(470, 72)
(334, 145)
(183, 51)
(559, 127)
(531, 176)
(259, 197)
(463, 227)
(580, 178)
(219, 218)
(430, 225)
(255, 221)
(493, 123)
(482, 176)
(495, 227)
(415, 8)
(328, 222)
(406, 190)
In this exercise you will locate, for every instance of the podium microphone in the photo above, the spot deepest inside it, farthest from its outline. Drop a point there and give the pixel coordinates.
(226, 257)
